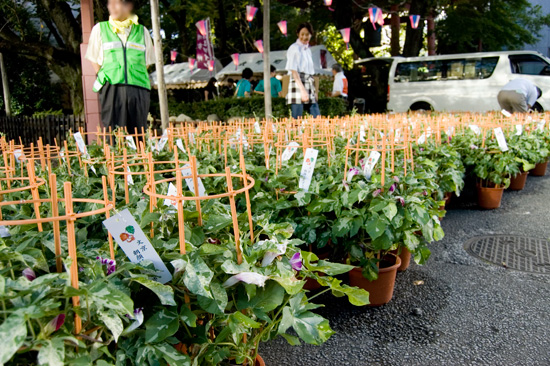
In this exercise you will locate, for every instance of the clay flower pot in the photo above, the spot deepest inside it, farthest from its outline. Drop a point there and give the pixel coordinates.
(517, 183)
(259, 361)
(540, 169)
(489, 198)
(380, 290)
(405, 256)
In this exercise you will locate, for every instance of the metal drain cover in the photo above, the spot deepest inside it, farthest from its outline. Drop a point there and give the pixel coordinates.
(514, 252)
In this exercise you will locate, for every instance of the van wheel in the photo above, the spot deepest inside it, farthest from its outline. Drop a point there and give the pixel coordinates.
(538, 108)
(421, 107)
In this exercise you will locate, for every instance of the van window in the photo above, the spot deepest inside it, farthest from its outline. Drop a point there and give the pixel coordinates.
(527, 64)
(459, 69)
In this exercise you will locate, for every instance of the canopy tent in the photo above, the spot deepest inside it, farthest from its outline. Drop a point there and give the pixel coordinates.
(178, 76)
(322, 61)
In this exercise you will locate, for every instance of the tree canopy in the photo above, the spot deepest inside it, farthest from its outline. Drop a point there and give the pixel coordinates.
(47, 33)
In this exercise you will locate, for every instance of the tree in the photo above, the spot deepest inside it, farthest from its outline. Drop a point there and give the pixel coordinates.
(489, 25)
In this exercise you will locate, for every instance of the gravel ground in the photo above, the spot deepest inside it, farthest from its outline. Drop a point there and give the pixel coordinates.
(467, 312)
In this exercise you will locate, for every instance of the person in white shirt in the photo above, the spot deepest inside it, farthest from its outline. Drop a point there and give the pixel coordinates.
(301, 88)
(519, 95)
(120, 51)
(340, 86)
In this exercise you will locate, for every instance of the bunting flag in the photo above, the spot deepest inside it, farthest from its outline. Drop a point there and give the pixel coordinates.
(201, 26)
(282, 27)
(235, 58)
(345, 35)
(259, 45)
(415, 20)
(327, 2)
(376, 16)
(250, 14)
(191, 63)
(211, 64)
(173, 55)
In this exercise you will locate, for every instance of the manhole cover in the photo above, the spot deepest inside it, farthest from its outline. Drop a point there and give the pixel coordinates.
(515, 252)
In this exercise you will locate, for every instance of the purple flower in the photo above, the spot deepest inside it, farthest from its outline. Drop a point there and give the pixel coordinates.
(421, 149)
(376, 193)
(450, 138)
(266, 178)
(29, 274)
(473, 147)
(392, 188)
(346, 185)
(137, 317)
(110, 263)
(353, 171)
(282, 190)
(54, 324)
(296, 261)
(396, 179)
(247, 277)
(213, 241)
(402, 201)
(424, 193)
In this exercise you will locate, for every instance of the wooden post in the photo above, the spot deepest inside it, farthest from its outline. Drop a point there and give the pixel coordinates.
(431, 35)
(5, 86)
(234, 215)
(159, 64)
(267, 64)
(395, 27)
(56, 233)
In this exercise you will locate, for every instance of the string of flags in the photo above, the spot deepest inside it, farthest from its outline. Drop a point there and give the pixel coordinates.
(282, 27)
(173, 55)
(201, 26)
(376, 16)
(250, 14)
(345, 35)
(415, 20)
(235, 58)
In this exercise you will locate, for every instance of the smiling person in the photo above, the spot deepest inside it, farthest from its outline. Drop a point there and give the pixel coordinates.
(301, 88)
(120, 51)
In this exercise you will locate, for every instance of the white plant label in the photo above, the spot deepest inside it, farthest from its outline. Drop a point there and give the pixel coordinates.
(289, 151)
(362, 133)
(308, 166)
(475, 128)
(62, 154)
(163, 140)
(180, 146)
(257, 128)
(273, 128)
(501, 139)
(422, 139)
(186, 171)
(172, 191)
(519, 130)
(505, 113)
(540, 125)
(80, 143)
(371, 162)
(129, 177)
(397, 135)
(135, 244)
(131, 143)
(192, 137)
(93, 169)
(18, 154)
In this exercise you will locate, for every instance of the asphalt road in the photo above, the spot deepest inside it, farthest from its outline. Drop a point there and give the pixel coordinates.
(466, 312)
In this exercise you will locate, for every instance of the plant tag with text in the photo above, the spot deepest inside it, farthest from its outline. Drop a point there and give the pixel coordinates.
(131, 143)
(362, 133)
(180, 146)
(505, 113)
(257, 128)
(163, 140)
(310, 158)
(289, 151)
(172, 191)
(80, 143)
(501, 139)
(519, 130)
(421, 139)
(475, 128)
(135, 244)
(371, 162)
(186, 172)
(129, 177)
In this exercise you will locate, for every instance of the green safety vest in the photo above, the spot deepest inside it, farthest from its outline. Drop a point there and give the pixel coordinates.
(123, 64)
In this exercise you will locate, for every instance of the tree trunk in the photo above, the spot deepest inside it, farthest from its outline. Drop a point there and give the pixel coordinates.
(159, 64)
(343, 18)
(221, 29)
(395, 27)
(414, 37)
(5, 86)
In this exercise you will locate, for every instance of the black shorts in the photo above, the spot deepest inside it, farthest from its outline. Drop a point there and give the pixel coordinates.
(124, 106)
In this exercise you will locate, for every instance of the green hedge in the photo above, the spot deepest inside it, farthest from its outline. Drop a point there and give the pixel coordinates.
(226, 108)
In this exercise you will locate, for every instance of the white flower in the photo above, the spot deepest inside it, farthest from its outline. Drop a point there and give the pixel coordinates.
(270, 256)
(247, 277)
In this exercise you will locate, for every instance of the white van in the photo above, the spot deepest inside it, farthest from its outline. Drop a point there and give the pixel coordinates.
(461, 82)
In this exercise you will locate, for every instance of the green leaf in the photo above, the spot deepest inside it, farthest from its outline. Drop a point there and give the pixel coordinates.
(245, 320)
(197, 276)
(187, 316)
(106, 296)
(291, 284)
(356, 296)
(342, 226)
(165, 293)
(211, 249)
(390, 210)
(113, 322)
(217, 303)
(171, 355)
(161, 325)
(330, 268)
(375, 226)
(13, 332)
(267, 298)
(52, 353)
(130, 229)
(146, 220)
(292, 340)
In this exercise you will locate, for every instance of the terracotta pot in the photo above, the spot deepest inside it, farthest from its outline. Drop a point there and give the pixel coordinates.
(540, 169)
(517, 183)
(489, 198)
(405, 256)
(447, 198)
(380, 290)
(259, 361)
(312, 284)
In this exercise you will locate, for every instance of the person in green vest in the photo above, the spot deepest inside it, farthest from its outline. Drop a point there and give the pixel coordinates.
(120, 50)
(276, 87)
(244, 87)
